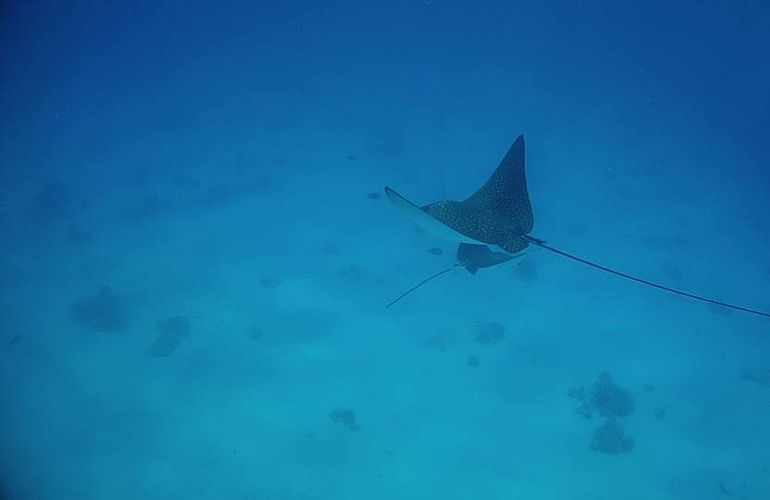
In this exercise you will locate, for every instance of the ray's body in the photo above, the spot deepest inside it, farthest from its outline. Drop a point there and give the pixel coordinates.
(500, 214)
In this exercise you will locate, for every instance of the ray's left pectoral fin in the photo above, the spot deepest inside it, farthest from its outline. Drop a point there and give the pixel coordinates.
(396, 198)
(417, 214)
(424, 218)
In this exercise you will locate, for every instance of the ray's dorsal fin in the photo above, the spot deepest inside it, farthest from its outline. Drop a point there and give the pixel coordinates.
(505, 193)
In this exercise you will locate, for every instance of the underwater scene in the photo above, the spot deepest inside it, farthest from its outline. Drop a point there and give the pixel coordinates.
(385, 250)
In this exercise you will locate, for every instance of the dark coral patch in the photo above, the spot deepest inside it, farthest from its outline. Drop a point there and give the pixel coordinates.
(345, 417)
(101, 311)
(610, 438)
(255, 333)
(269, 282)
(609, 399)
(490, 332)
(170, 332)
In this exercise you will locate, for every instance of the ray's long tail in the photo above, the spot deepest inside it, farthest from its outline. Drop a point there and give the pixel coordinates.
(542, 244)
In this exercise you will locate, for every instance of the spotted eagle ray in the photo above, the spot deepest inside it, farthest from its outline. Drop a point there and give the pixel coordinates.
(499, 214)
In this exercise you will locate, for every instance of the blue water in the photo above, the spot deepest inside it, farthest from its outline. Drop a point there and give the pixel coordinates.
(194, 259)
